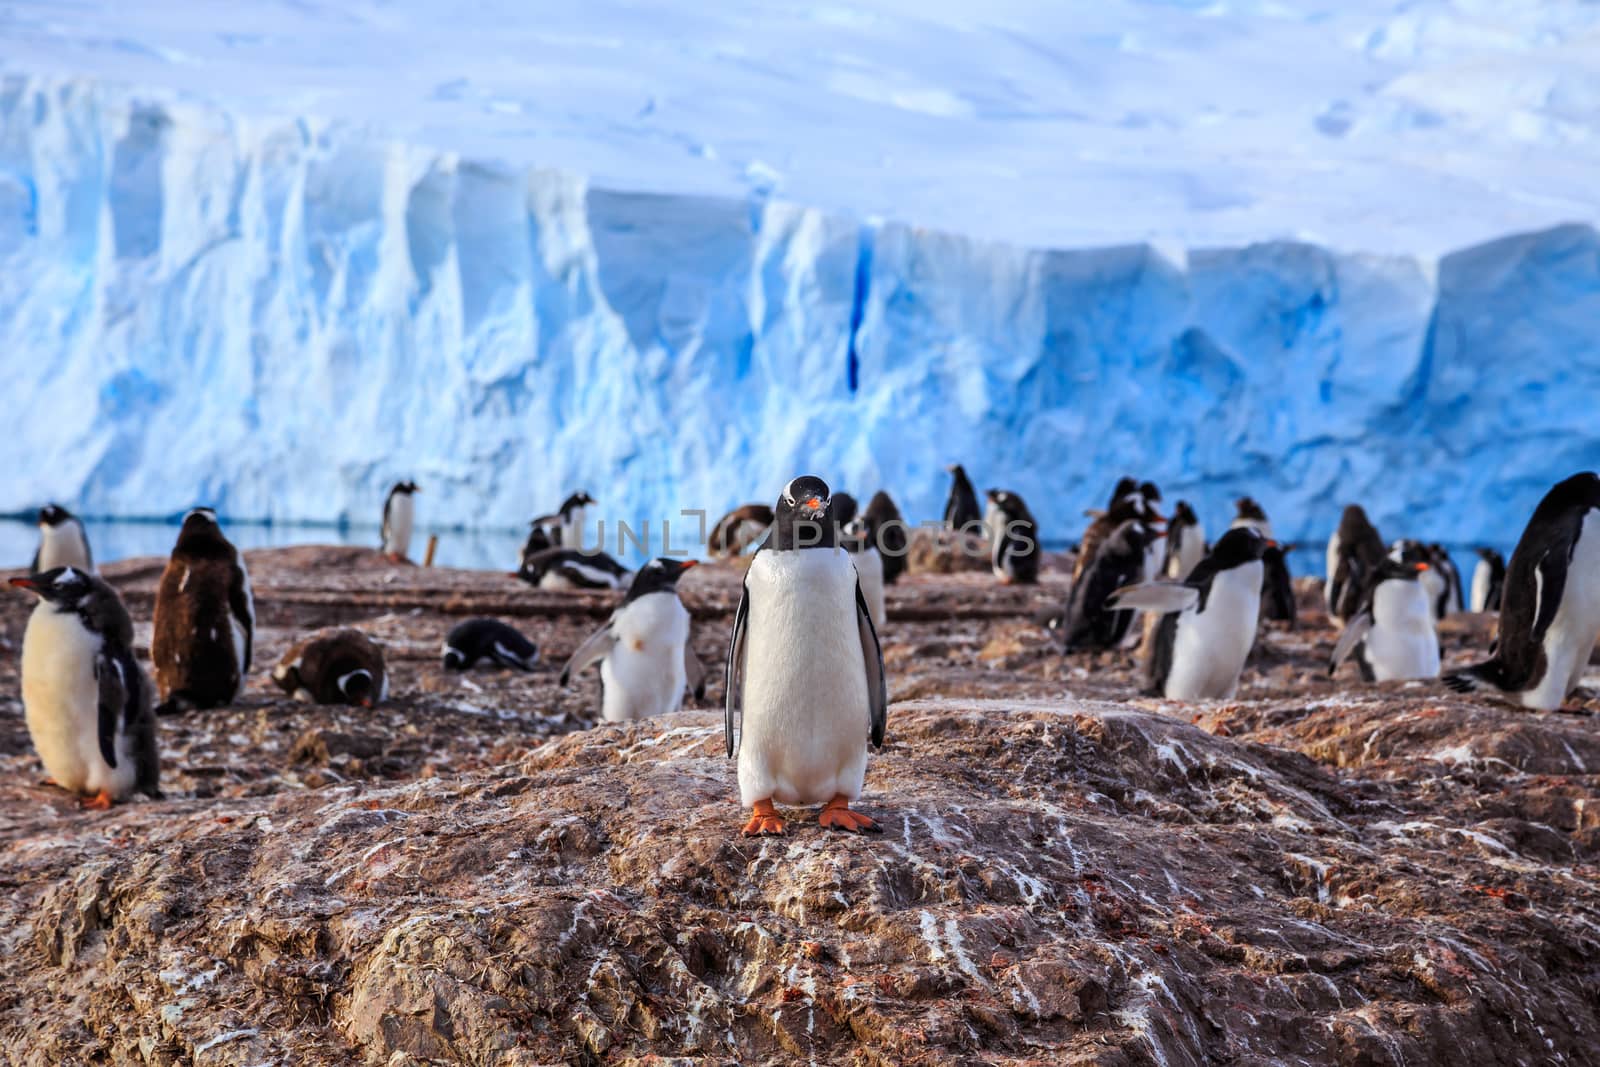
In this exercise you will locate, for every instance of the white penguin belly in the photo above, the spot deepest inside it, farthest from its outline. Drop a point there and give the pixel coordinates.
(1402, 642)
(1210, 647)
(572, 529)
(869, 570)
(63, 545)
(804, 731)
(643, 674)
(1572, 633)
(1331, 564)
(400, 516)
(1482, 578)
(61, 701)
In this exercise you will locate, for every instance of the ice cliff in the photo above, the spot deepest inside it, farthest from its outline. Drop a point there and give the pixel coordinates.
(280, 318)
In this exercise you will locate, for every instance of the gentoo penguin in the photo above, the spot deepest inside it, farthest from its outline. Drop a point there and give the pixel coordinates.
(336, 667)
(567, 520)
(539, 539)
(1131, 507)
(398, 514)
(1488, 578)
(1392, 636)
(1355, 552)
(804, 672)
(738, 530)
(643, 649)
(1186, 542)
(861, 541)
(489, 639)
(1208, 621)
(961, 507)
(1550, 605)
(844, 509)
(1439, 558)
(86, 701)
(62, 542)
(1406, 550)
(1116, 560)
(1277, 590)
(1014, 555)
(568, 568)
(889, 533)
(1249, 513)
(205, 619)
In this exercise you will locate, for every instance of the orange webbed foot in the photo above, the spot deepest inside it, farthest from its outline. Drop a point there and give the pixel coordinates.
(836, 815)
(101, 801)
(764, 820)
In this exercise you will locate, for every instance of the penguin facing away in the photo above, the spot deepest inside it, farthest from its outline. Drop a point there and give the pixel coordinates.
(1186, 542)
(1355, 552)
(567, 521)
(1439, 557)
(1208, 621)
(643, 649)
(738, 530)
(568, 568)
(399, 511)
(1116, 559)
(1550, 604)
(205, 619)
(62, 542)
(805, 690)
(1250, 514)
(334, 667)
(491, 639)
(1393, 635)
(85, 698)
(889, 534)
(1014, 556)
(1277, 590)
(961, 507)
(1488, 578)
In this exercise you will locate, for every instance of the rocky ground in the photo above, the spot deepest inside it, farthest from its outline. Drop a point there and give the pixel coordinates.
(1319, 872)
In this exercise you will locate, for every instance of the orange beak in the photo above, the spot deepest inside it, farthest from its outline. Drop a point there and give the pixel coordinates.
(24, 583)
(690, 563)
(1273, 544)
(1422, 567)
(814, 503)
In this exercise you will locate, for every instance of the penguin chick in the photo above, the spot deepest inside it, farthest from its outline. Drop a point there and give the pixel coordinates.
(334, 667)
(62, 542)
(643, 649)
(490, 639)
(85, 698)
(805, 692)
(1186, 542)
(205, 619)
(399, 513)
(1355, 552)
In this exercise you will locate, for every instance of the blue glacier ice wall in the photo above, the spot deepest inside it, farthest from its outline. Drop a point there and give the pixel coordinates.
(280, 318)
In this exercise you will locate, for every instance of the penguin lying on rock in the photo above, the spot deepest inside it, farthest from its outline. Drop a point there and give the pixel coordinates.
(568, 568)
(337, 667)
(490, 639)
(85, 698)
(805, 685)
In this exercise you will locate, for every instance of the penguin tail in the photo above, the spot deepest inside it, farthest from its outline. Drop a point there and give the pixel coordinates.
(1479, 678)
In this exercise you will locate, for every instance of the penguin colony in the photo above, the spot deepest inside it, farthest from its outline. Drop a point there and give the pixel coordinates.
(805, 696)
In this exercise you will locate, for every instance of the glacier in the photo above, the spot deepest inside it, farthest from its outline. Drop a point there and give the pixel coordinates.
(281, 317)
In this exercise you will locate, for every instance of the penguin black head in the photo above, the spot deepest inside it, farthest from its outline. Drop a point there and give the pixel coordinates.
(801, 518)
(406, 487)
(1489, 555)
(577, 500)
(357, 687)
(1183, 515)
(1249, 509)
(1149, 491)
(1008, 502)
(660, 575)
(53, 515)
(1239, 546)
(65, 587)
(201, 536)
(1398, 570)
(1408, 551)
(845, 508)
(454, 659)
(1125, 488)
(956, 469)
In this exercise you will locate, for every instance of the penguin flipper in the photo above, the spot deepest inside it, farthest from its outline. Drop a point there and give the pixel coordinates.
(733, 676)
(872, 657)
(114, 698)
(1355, 632)
(593, 650)
(1161, 597)
(239, 606)
(694, 672)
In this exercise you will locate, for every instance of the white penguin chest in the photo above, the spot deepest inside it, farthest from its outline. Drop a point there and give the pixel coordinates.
(643, 674)
(1573, 631)
(1482, 578)
(63, 545)
(1402, 642)
(401, 514)
(1210, 646)
(869, 571)
(61, 696)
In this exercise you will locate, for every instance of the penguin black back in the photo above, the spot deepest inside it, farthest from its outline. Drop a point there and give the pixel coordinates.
(1360, 554)
(204, 629)
(1016, 544)
(961, 507)
(476, 639)
(888, 531)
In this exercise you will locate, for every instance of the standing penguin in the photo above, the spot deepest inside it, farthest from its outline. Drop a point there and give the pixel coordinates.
(861, 541)
(1550, 606)
(336, 667)
(567, 520)
(1277, 591)
(1392, 636)
(1015, 554)
(1208, 621)
(62, 542)
(738, 530)
(1488, 579)
(1413, 552)
(804, 671)
(398, 514)
(86, 701)
(1117, 559)
(643, 649)
(1186, 542)
(961, 508)
(490, 639)
(1439, 558)
(205, 619)
(889, 534)
(1249, 514)
(1355, 552)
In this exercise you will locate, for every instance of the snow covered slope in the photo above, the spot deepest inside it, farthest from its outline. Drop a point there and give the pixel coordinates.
(281, 318)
